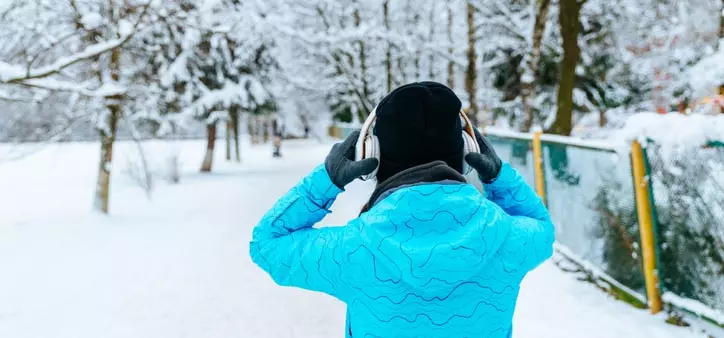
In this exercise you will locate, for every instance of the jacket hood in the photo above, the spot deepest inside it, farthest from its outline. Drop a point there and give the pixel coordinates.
(436, 171)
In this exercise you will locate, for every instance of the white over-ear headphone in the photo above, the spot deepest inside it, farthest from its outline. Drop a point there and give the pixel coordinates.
(369, 147)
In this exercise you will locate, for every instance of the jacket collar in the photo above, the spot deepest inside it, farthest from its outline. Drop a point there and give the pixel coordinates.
(427, 173)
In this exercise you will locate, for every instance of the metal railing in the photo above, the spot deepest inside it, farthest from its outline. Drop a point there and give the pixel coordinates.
(588, 189)
(644, 221)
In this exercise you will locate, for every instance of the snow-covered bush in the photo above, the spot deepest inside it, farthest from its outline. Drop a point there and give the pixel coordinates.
(689, 220)
(689, 199)
(686, 173)
(173, 167)
(617, 227)
(137, 165)
(137, 170)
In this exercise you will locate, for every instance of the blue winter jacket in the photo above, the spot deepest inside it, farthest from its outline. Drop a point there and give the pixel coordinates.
(435, 259)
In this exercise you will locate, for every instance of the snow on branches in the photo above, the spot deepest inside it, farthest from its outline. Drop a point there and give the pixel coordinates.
(64, 38)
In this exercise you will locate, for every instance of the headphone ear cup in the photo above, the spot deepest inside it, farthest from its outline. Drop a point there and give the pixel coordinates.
(371, 150)
(470, 146)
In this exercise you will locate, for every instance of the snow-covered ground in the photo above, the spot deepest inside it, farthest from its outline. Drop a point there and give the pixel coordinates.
(177, 265)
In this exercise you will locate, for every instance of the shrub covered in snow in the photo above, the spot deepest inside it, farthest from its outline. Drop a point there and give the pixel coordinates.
(687, 178)
(689, 198)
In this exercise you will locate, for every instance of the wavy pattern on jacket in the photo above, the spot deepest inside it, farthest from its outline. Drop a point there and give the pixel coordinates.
(428, 260)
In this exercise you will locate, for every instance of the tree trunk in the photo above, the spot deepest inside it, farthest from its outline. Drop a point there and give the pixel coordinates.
(451, 50)
(415, 23)
(228, 139)
(721, 46)
(363, 70)
(530, 63)
(570, 11)
(388, 53)
(210, 143)
(253, 126)
(430, 39)
(256, 129)
(721, 24)
(471, 72)
(108, 137)
(402, 68)
(402, 65)
(235, 130)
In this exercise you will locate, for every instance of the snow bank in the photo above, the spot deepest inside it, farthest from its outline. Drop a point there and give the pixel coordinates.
(707, 74)
(550, 138)
(91, 20)
(694, 306)
(596, 272)
(507, 133)
(672, 131)
(8, 71)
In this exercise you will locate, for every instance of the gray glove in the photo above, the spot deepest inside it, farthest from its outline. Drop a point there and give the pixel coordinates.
(486, 163)
(340, 163)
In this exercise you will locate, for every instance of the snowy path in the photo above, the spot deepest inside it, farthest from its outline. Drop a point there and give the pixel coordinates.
(178, 266)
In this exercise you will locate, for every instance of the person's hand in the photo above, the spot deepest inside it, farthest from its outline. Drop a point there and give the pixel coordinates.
(340, 163)
(486, 162)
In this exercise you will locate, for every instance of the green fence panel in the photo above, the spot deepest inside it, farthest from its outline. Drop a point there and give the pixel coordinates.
(343, 131)
(346, 131)
(517, 152)
(688, 197)
(591, 199)
(592, 203)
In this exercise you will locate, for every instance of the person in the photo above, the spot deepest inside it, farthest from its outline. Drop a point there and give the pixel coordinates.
(430, 255)
(277, 140)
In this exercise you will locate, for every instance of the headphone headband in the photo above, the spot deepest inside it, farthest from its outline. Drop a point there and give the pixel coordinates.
(364, 131)
(468, 127)
(367, 144)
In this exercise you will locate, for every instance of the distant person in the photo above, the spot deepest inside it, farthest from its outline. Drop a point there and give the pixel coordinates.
(429, 255)
(277, 146)
(277, 140)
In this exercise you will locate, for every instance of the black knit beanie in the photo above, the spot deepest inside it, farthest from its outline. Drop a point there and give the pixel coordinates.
(416, 124)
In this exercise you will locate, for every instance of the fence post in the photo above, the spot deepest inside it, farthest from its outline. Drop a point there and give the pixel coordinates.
(540, 183)
(646, 225)
(335, 132)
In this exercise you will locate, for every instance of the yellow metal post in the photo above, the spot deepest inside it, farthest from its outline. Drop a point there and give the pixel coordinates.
(540, 183)
(646, 226)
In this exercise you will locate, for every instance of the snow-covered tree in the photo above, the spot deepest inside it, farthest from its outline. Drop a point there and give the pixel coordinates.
(164, 65)
(76, 47)
(354, 52)
(211, 66)
(663, 40)
(530, 62)
(519, 45)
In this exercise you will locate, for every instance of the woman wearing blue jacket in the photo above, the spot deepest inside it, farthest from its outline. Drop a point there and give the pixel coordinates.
(429, 256)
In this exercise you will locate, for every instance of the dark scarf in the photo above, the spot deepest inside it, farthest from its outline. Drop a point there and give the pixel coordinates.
(427, 173)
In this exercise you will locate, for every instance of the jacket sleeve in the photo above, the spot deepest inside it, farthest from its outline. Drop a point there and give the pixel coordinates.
(290, 250)
(532, 233)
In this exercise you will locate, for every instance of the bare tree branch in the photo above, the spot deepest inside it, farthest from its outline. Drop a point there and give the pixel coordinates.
(15, 98)
(15, 74)
(72, 87)
(49, 47)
